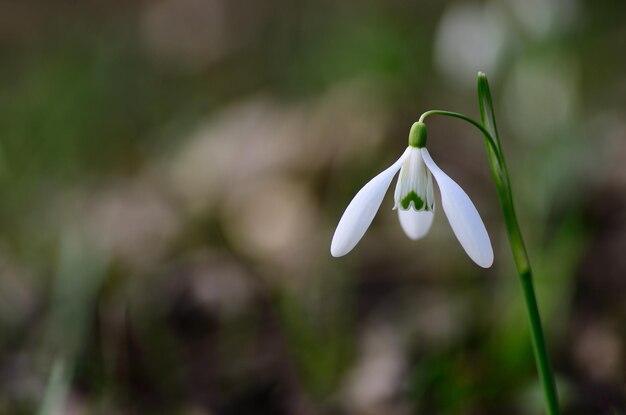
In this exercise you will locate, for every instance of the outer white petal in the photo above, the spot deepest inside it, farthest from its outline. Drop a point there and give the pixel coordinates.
(415, 224)
(361, 211)
(462, 215)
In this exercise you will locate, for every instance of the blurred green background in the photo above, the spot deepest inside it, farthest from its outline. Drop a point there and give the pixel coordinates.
(172, 172)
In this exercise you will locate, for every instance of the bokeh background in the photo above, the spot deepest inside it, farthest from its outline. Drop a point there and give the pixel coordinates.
(172, 172)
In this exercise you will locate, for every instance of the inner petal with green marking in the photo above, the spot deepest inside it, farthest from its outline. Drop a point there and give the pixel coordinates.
(415, 185)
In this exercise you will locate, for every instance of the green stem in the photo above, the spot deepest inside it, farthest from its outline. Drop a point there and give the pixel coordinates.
(476, 124)
(501, 178)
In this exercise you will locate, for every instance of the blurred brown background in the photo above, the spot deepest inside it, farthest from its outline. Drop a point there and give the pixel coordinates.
(172, 172)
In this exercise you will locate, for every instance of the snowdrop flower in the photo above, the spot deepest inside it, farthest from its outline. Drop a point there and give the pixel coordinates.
(415, 203)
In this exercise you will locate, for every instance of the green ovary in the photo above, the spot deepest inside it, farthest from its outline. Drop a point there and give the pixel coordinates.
(418, 203)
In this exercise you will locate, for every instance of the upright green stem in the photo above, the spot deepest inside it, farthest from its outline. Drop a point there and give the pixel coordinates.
(501, 178)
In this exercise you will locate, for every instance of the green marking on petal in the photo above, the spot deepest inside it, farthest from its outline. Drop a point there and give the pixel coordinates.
(418, 203)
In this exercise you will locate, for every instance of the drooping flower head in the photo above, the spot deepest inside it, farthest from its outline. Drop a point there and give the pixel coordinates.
(415, 202)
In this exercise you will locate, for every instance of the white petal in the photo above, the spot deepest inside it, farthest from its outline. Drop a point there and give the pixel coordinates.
(463, 216)
(361, 211)
(414, 179)
(415, 224)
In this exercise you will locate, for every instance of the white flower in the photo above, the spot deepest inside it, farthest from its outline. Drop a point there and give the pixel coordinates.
(414, 200)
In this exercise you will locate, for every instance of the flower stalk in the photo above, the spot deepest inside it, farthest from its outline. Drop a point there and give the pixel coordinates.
(520, 255)
(500, 176)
